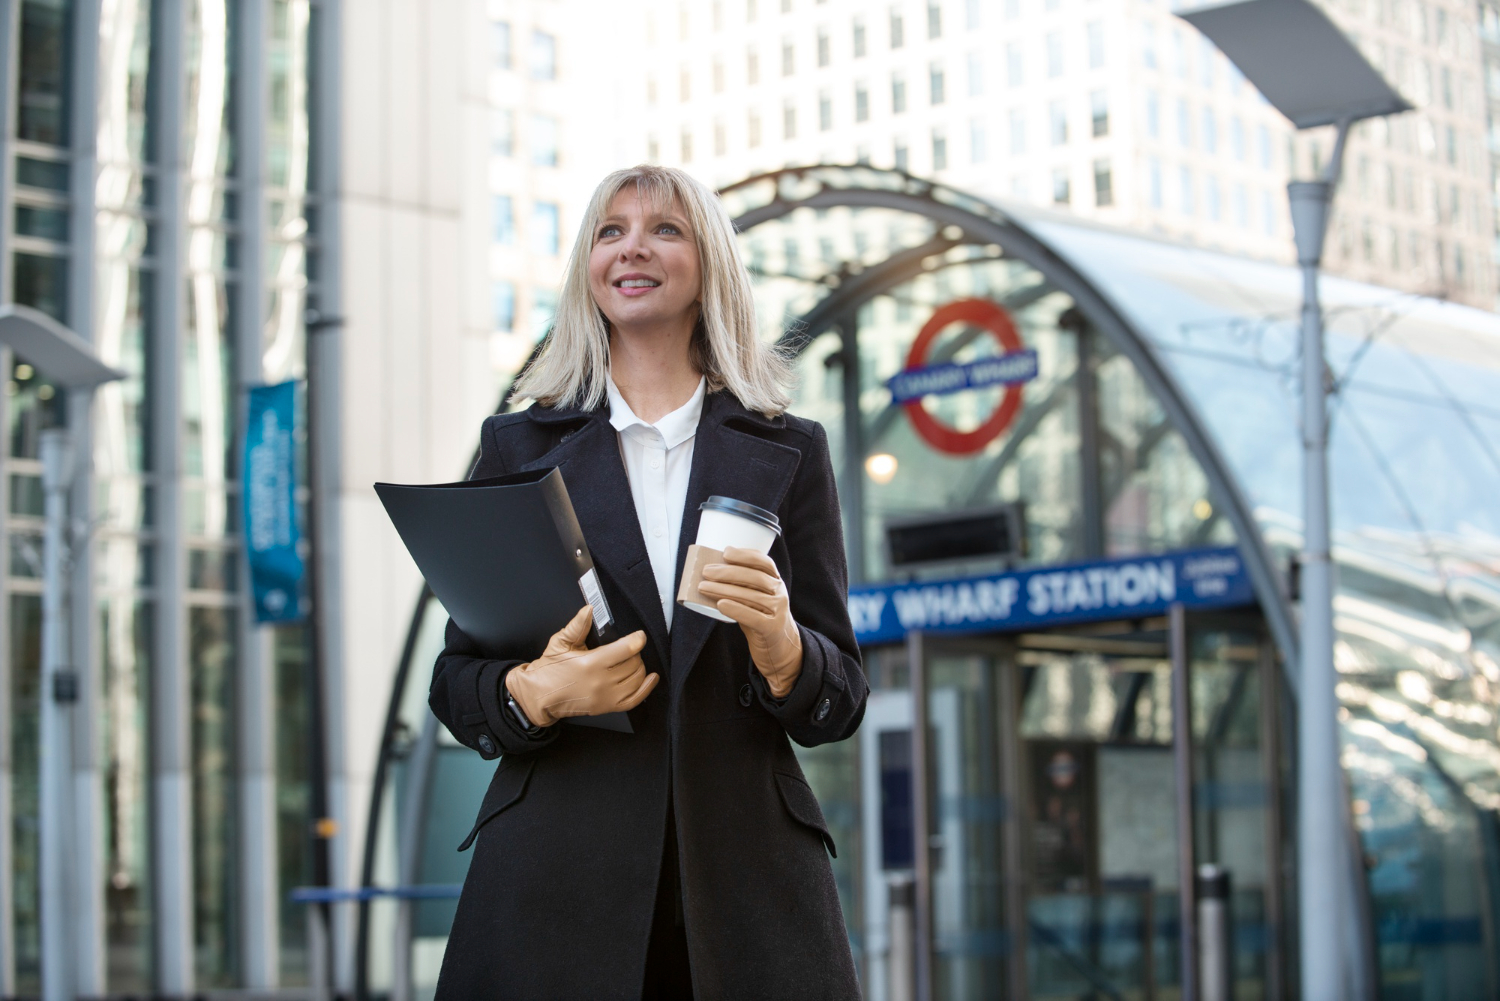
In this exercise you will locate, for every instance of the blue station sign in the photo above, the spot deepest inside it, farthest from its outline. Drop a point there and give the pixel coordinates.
(1049, 596)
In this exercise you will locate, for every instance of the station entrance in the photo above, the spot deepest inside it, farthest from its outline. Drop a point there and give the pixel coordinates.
(1055, 794)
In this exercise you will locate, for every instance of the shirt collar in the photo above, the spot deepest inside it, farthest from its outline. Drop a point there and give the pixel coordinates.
(675, 428)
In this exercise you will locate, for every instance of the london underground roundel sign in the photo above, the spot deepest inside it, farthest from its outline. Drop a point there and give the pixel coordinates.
(1015, 365)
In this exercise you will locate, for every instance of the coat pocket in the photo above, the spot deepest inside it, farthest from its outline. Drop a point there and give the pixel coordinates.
(797, 796)
(506, 789)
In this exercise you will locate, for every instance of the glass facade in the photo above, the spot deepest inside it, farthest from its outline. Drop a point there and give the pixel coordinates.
(165, 295)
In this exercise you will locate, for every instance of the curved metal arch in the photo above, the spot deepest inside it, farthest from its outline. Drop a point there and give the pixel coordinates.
(985, 223)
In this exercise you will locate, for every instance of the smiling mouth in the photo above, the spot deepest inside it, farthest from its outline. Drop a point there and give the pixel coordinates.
(637, 283)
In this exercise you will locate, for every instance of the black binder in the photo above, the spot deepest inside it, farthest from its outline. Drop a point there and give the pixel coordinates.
(508, 561)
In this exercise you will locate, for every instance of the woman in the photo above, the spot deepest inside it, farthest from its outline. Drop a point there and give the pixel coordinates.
(688, 858)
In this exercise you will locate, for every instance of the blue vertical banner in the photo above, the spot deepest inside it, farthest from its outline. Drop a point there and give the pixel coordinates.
(270, 491)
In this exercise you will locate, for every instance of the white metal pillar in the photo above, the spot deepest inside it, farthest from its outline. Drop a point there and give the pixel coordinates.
(10, 14)
(171, 693)
(58, 692)
(87, 861)
(1322, 809)
(255, 684)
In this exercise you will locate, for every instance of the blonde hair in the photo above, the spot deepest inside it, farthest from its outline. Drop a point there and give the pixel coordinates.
(573, 365)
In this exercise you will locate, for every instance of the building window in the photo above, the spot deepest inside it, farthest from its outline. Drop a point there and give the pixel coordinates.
(687, 145)
(934, 20)
(786, 6)
(543, 309)
(901, 157)
(971, 10)
(1104, 185)
(789, 121)
(862, 157)
(898, 29)
(861, 103)
(718, 75)
(651, 90)
(544, 228)
(543, 56)
(1211, 197)
(502, 220)
(653, 149)
(750, 10)
(936, 81)
(684, 85)
(1062, 188)
(1017, 130)
(718, 15)
(721, 138)
(976, 74)
(788, 60)
(1055, 54)
(1148, 44)
(825, 111)
(503, 305)
(543, 141)
(684, 23)
(898, 93)
(1210, 131)
(939, 150)
(1185, 185)
(825, 48)
(859, 38)
(977, 150)
(1099, 113)
(1012, 9)
(753, 130)
(1241, 207)
(1263, 140)
(1237, 138)
(1184, 125)
(502, 132)
(1057, 116)
(1154, 181)
(1153, 115)
(752, 67)
(1014, 67)
(500, 45)
(1096, 44)
(1268, 214)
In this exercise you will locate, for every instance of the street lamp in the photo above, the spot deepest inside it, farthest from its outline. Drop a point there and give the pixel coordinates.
(70, 362)
(1311, 72)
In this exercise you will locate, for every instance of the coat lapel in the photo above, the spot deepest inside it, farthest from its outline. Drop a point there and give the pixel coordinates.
(600, 491)
(730, 462)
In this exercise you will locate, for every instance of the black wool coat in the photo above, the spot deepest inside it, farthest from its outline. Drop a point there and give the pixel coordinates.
(568, 841)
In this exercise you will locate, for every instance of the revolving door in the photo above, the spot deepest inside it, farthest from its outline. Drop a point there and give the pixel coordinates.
(1049, 788)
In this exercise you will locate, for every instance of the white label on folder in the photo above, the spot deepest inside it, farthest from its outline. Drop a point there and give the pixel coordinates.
(589, 584)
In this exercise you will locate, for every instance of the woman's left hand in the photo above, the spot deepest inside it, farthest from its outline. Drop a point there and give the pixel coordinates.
(747, 588)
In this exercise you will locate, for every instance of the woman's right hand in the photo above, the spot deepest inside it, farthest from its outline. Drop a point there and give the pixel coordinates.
(569, 679)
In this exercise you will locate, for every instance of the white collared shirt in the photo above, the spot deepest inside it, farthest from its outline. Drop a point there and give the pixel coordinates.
(658, 458)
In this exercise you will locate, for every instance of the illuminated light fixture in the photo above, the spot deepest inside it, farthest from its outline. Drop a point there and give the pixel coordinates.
(1202, 509)
(881, 467)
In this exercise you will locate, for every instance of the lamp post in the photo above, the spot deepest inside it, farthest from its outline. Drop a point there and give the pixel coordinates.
(1311, 72)
(70, 362)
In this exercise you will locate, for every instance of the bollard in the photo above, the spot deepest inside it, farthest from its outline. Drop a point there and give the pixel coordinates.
(1215, 939)
(901, 925)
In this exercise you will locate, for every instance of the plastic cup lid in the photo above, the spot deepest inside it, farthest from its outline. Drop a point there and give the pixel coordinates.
(729, 505)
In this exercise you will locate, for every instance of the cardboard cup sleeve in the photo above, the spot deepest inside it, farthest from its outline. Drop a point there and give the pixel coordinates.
(698, 557)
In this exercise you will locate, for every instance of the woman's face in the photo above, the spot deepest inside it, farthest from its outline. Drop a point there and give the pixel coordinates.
(644, 270)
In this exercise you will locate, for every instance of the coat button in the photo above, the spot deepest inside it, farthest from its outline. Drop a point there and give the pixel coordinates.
(746, 696)
(824, 708)
(486, 745)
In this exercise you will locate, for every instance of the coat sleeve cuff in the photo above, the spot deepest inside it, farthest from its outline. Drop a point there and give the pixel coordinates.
(501, 729)
(817, 689)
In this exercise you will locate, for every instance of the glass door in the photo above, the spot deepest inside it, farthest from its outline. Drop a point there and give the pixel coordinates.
(1048, 780)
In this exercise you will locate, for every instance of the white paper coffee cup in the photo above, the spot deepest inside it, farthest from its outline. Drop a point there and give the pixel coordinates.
(723, 522)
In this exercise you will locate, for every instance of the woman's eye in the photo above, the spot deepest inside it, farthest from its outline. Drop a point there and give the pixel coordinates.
(609, 231)
(667, 227)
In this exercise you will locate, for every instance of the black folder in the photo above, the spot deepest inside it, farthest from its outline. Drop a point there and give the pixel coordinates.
(508, 561)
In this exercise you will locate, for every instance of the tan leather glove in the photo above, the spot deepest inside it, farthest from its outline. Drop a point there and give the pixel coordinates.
(569, 679)
(749, 590)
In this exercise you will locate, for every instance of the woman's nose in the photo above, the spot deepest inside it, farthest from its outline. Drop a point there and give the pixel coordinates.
(633, 247)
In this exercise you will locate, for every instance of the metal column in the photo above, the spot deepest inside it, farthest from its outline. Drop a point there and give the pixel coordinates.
(921, 809)
(1182, 762)
(852, 488)
(10, 18)
(171, 748)
(255, 686)
(1013, 793)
